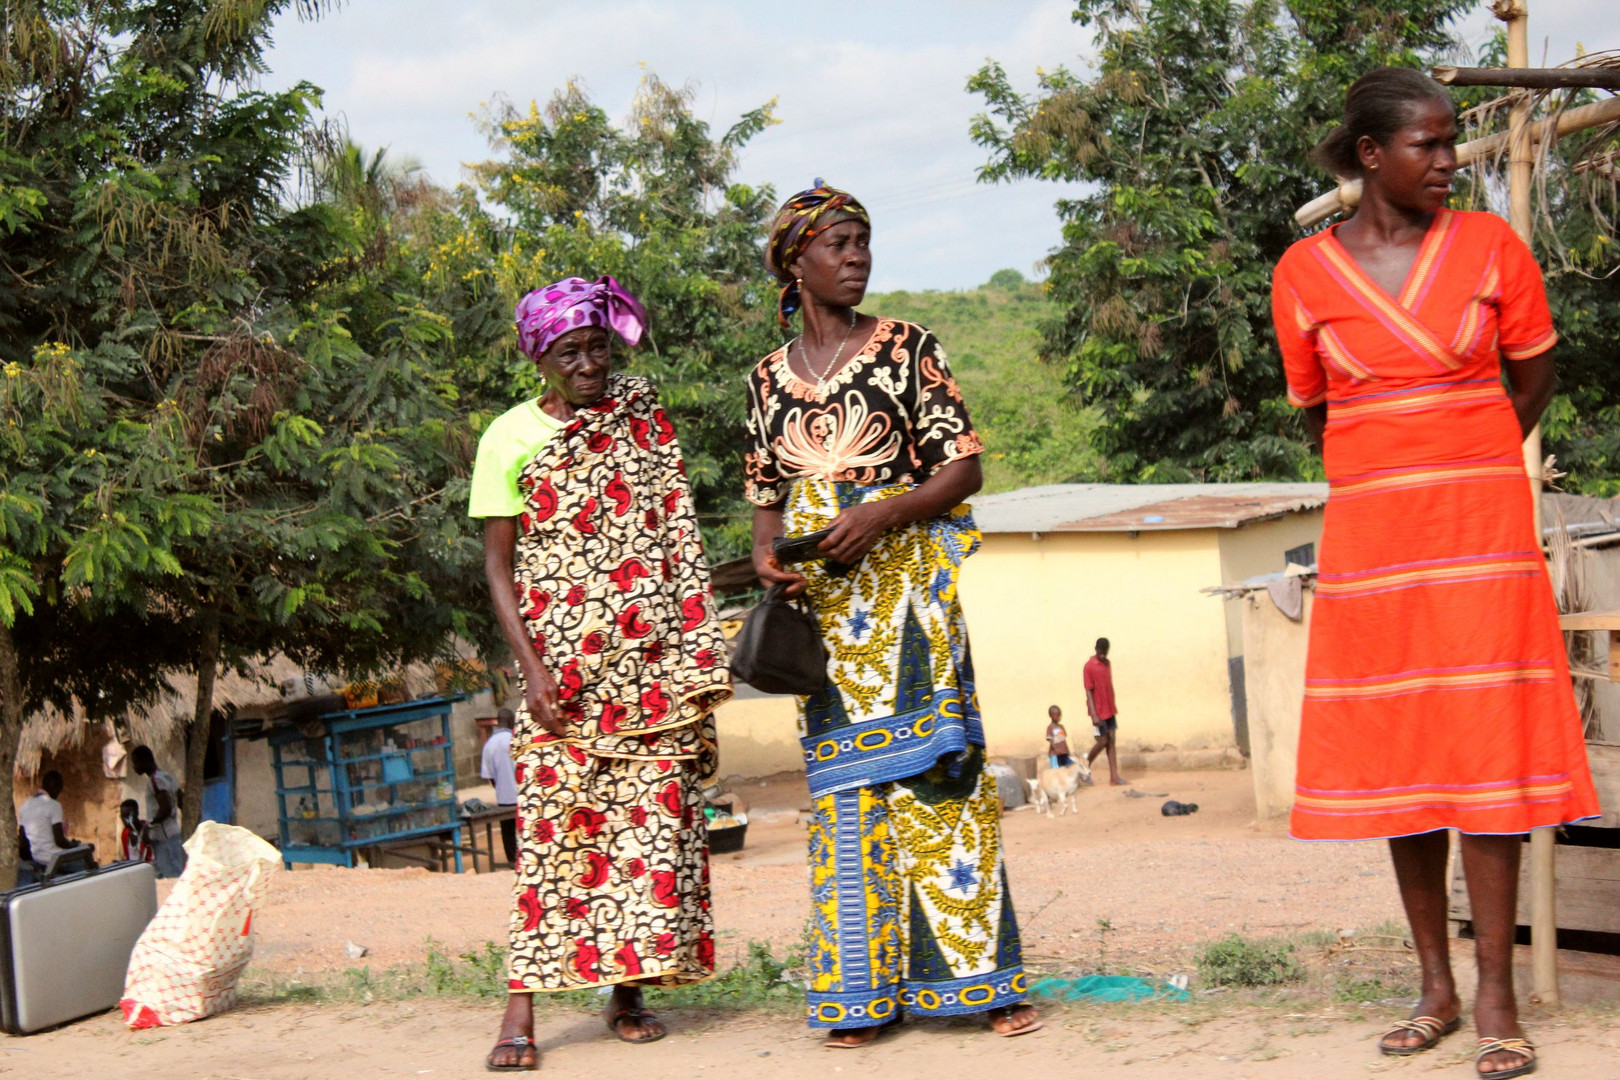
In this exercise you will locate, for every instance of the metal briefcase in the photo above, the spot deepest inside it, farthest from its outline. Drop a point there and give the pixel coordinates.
(65, 944)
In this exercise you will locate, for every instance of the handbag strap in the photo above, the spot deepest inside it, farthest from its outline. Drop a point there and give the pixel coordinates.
(777, 594)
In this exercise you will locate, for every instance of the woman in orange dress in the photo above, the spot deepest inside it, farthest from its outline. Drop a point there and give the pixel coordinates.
(1437, 695)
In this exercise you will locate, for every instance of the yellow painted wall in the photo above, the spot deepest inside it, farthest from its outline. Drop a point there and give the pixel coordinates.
(1274, 649)
(1256, 549)
(759, 734)
(1036, 607)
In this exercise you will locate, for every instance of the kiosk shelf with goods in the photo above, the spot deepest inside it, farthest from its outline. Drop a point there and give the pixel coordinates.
(367, 778)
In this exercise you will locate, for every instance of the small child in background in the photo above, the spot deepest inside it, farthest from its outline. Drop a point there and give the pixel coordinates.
(132, 845)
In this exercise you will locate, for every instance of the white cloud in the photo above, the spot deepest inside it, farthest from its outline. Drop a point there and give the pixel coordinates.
(871, 96)
(871, 99)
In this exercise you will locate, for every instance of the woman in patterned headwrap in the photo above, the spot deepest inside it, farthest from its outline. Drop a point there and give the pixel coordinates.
(858, 425)
(599, 583)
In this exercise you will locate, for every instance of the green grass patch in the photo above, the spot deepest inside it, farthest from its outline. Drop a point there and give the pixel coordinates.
(1238, 961)
(1370, 991)
(759, 980)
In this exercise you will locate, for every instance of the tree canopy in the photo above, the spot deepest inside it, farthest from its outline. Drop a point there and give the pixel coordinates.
(245, 363)
(199, 464)
(1193, 131)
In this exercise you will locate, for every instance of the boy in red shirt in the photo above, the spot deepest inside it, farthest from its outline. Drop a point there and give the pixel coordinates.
(1100, 704)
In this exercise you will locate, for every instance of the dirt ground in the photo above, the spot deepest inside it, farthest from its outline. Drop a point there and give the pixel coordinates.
(1163, 886)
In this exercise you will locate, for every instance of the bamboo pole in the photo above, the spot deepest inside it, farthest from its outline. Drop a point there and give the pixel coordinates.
(1521, 177)
(1603, 78)
(1348, 194)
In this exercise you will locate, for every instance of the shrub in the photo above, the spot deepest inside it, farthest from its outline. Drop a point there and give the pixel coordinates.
(1236, 961)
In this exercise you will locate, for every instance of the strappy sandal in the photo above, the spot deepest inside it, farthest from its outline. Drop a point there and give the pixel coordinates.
(1007, 1012)
(1521, 1047)
(519, 1043)
(1431, 1028)
(637, 1015)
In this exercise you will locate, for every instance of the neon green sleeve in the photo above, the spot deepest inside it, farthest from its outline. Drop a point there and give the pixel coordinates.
(507, 445)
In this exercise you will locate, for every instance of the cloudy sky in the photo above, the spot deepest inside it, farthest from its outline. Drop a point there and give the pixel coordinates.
(870, 95)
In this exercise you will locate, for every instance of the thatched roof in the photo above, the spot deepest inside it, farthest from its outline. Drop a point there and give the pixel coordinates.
(257, 692)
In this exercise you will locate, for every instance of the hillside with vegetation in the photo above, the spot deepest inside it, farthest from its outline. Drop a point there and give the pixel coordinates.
(1032, 431)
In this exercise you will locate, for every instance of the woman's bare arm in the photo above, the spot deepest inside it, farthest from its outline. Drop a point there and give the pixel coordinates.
(1532, 384)
(1316, 423)
(858, 528)
(767, 527)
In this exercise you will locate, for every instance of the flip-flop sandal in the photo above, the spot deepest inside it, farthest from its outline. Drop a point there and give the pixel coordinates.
(637, 1016)
(1521, 1047)
(1431, 1028)
(520, 1043)
(1007, 1012)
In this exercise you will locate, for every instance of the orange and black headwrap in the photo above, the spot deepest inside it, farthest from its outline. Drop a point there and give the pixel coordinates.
(801, 219)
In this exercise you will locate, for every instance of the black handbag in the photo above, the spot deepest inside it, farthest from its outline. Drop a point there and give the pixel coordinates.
(779, 649)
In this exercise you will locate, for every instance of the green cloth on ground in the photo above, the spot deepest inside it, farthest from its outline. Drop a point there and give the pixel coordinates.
(507, 445)
(1107, 988)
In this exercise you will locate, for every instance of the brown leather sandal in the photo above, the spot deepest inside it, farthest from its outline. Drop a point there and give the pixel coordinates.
(1432, 1029)
(1521, 1047)
(1007, 1012)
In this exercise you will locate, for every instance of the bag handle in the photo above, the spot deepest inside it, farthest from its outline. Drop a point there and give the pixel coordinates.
(777, 594)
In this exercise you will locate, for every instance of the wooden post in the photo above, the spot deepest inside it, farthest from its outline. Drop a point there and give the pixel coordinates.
(1521, 170)
(1348, 193)
(1604, 78)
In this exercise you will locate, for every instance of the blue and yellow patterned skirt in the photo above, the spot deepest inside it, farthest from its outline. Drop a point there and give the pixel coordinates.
(910, 903)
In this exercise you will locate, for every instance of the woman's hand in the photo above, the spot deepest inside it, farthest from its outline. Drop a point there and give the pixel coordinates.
(540, 694)
(771, 573)
(857, 530)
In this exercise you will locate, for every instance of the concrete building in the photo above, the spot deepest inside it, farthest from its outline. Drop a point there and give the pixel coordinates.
(1065, 564)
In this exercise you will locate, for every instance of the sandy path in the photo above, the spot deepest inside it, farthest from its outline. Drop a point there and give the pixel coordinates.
(441, 1039)
(1165, 885)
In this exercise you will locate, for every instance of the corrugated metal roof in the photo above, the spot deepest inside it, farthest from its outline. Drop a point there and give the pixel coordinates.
(1140, 507)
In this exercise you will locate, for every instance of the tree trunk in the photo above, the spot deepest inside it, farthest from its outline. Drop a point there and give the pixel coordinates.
(11, 725)
(197, 736)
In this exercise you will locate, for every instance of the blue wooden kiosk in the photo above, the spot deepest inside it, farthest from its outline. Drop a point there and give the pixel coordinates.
(369, 778)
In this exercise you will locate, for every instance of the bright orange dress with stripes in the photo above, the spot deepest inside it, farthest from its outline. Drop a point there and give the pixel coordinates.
(1437, 694)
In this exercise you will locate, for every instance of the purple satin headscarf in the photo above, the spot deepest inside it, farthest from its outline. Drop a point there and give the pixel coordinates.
(547, 314)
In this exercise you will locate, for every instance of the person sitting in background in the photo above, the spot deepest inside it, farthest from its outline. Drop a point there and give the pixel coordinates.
(497, 767)
(133, 845)
(162, 813)
(41, 826)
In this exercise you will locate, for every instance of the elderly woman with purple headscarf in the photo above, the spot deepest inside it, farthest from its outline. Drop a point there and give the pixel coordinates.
(598, 580)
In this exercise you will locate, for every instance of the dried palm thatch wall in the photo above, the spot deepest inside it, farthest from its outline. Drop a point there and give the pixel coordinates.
(73, 745)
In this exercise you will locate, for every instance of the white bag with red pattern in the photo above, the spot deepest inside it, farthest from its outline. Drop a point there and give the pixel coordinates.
(187, 963)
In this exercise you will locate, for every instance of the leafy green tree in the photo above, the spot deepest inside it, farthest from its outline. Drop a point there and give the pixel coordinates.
(204, 459)
(1193, 134)
(1033, 431)
(653, 204)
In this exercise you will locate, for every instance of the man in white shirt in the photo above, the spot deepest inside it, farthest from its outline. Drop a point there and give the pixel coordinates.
(496, 767)
(162, 813)
(40, 821)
